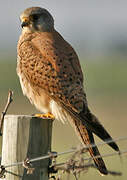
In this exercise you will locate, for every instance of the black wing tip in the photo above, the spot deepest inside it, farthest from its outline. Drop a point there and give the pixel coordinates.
(103, 172)
(102, 169)
(114, 146)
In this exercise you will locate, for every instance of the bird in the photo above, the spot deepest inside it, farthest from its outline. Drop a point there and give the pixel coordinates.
(51, 77)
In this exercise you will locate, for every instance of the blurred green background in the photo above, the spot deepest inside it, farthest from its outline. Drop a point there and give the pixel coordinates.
(101, 42)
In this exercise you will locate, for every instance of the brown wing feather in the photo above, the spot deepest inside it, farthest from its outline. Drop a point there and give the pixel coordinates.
(50, 63)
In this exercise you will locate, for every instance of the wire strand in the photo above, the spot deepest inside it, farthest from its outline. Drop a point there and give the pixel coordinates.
(71, 151)
(108, 155)
(103, 156)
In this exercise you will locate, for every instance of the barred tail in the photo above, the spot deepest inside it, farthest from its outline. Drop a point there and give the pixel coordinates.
(87, 138)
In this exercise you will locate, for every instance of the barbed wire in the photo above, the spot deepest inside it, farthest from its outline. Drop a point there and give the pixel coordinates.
(55, 154)
(72, 166)
(123, 152)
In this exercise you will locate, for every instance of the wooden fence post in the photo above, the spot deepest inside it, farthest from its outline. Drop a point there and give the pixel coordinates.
(26, 136)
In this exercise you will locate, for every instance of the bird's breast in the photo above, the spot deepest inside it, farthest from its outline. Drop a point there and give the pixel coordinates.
(36, 95)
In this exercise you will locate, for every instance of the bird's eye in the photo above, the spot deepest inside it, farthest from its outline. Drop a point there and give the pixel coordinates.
(35, 17)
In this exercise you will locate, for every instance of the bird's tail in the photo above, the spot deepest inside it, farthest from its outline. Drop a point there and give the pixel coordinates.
(85, 123)
(95, 127)
(87, 138)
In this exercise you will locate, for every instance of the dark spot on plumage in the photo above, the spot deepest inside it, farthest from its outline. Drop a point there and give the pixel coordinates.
(32, 65)
(60, 76)
(52, 70)
(49, 64)
(72, 97)
(65, 94)
(42, 67)
(52, 86)
(60, 97)
(77, 102)
(70, 54)
(70, 79)
(47, 76)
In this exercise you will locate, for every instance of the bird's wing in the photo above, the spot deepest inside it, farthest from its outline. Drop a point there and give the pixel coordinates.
(50, 63)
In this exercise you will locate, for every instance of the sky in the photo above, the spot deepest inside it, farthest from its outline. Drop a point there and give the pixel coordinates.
(87, 24)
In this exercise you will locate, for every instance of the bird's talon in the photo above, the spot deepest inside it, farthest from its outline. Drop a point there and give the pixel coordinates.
(45, 116)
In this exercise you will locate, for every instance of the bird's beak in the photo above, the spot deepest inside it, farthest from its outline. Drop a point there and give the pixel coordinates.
(25, 22)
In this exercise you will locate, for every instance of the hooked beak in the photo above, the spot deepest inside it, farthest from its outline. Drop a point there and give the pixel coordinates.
(25, 22)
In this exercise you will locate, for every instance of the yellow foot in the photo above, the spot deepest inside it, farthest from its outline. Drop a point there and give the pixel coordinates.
(45, 116)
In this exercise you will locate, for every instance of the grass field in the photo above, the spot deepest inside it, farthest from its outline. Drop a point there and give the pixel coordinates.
(106, 88)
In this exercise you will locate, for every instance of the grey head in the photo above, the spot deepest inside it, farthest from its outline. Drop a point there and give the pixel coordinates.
(37, 19)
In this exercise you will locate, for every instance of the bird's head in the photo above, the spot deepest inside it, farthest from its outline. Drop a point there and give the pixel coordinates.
(37, 19)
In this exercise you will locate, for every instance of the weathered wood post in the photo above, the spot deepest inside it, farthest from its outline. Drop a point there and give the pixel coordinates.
(26, 136)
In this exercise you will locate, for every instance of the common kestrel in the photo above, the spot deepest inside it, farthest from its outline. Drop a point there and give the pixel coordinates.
(51, 77)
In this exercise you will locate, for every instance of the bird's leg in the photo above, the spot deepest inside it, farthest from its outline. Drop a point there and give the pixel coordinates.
(45, 116)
